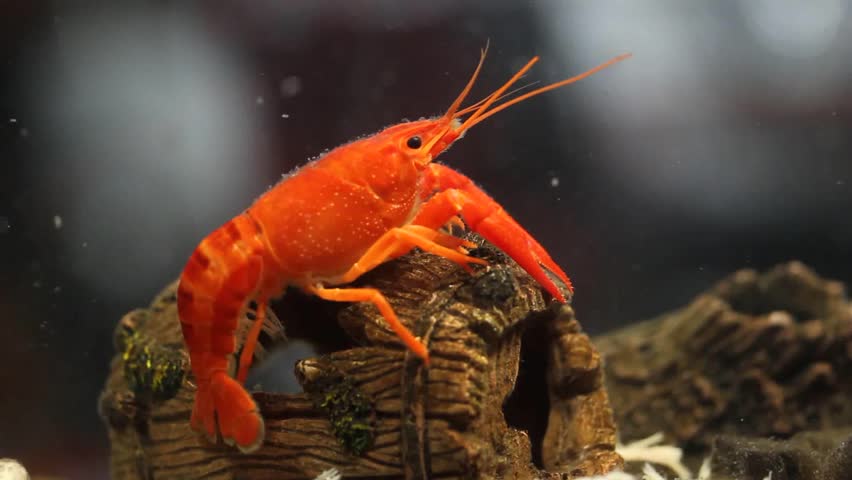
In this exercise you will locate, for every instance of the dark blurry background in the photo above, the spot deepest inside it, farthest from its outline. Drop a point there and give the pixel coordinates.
(128, 133)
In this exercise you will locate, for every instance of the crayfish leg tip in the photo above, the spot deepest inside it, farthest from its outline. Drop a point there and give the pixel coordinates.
(423, 355)
(248, 447)
(559, 297)
(255, 445)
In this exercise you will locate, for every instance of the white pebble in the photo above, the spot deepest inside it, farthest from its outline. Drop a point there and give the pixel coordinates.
(649, 473)
(12, 470)
(330, 474)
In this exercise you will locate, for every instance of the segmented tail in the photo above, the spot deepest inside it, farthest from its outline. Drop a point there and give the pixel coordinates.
(223, 273)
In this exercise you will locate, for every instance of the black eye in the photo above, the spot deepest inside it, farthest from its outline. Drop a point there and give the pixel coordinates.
(414, 142)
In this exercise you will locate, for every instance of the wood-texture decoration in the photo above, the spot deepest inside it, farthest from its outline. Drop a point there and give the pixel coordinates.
(758, 355)
(369, 408)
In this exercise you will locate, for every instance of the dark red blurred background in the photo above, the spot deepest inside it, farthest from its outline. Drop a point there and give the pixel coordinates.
(128, 133)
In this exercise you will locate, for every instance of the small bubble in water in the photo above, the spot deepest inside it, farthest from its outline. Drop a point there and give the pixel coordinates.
(37, 284)
(554, 182)
(285, 115)
(290, 86)
(13, 120)
(85, 244)
(259, 100)
(25, 132)
(57, 222)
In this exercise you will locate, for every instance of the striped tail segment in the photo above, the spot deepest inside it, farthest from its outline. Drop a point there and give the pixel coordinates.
(222, 275)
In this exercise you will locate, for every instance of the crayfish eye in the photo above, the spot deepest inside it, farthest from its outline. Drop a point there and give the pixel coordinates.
(414, 142)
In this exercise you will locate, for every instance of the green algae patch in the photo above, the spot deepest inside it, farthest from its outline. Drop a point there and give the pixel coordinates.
(349, 411)
(154, 370)
(150, 369)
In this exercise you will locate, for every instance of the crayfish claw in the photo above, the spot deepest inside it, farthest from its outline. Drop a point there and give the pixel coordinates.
(457, 194)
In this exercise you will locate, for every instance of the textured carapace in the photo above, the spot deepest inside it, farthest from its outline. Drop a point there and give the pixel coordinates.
(359, 205)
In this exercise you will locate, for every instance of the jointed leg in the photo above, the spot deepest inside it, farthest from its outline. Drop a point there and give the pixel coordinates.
(440, 236)
(376, 298)
(251, 341)
(395, 242)
(398, 241)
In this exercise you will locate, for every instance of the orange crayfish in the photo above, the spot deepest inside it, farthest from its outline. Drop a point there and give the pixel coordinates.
(357, 206)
